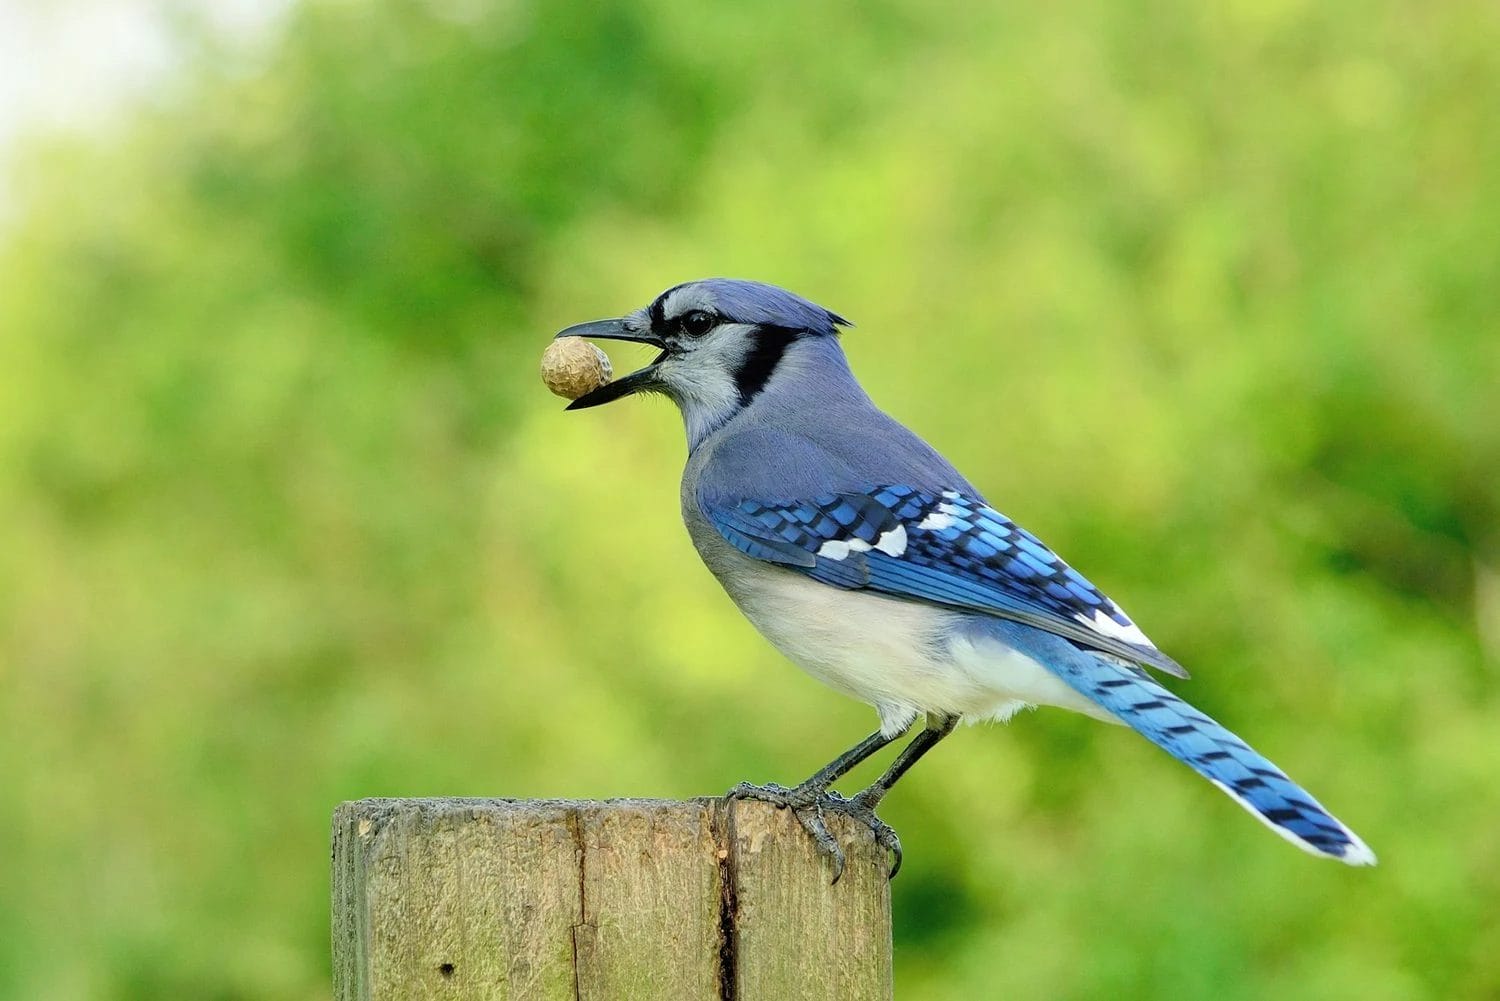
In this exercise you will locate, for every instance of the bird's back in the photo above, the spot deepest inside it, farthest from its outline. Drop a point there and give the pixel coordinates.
(812, 431)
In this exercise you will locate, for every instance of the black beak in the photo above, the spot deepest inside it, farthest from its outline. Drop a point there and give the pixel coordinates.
(626, 328)
(623, 329)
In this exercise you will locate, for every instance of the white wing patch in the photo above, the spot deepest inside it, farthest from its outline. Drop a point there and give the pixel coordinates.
(834, 549)
(892, 543)
(946, 516)
(838, 549)
(936, 522)
(1104, 625)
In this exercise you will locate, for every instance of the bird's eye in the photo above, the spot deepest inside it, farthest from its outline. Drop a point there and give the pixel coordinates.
(696, 323)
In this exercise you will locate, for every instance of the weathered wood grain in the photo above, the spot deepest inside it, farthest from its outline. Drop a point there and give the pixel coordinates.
(464, 899)
(797, 936)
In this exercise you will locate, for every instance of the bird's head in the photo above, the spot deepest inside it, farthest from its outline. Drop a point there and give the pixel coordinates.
(721, 342)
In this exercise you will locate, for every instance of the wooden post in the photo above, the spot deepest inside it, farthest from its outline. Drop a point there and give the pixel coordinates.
(519, 899)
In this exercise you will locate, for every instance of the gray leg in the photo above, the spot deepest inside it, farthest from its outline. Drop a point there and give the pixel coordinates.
(862, 806)
(810, 789)
(937, 728)
(812, 799)
(807, 800)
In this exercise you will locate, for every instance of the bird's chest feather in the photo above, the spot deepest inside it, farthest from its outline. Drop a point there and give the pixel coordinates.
(884, 651)
(903, 657)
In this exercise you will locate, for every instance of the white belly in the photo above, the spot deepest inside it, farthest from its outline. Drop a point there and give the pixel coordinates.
(903, 657)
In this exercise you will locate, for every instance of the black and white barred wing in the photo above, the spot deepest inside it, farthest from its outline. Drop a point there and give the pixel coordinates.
(939, 547)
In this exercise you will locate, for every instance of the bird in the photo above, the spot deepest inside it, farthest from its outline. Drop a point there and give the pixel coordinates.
(870, 562)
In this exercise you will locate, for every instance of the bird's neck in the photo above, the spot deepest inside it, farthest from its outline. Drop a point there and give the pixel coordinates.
(811, 380)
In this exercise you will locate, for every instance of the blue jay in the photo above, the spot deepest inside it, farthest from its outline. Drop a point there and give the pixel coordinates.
(871, 563)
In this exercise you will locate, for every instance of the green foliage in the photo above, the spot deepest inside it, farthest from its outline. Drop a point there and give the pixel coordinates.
(1204, 295)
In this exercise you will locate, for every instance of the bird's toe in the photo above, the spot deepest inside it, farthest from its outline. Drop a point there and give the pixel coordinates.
(860, 809)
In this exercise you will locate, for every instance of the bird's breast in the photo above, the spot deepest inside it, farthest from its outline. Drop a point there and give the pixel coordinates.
(904, 657)
(884, 651)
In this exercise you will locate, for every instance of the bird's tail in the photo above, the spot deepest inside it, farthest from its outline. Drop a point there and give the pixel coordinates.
(1215, 753)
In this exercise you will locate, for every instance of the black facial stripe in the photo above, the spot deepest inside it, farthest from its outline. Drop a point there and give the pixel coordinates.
(769, 345)
(658, 309)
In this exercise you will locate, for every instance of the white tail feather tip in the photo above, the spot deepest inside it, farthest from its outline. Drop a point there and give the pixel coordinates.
(1356, 853)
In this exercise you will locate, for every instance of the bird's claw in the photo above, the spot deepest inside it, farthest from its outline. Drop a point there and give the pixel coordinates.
(859, 808)
(808, 806)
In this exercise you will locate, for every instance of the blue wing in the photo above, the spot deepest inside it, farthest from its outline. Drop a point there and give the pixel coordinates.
(943, 548)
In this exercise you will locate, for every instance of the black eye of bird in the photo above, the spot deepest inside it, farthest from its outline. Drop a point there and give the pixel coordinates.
(696, 323)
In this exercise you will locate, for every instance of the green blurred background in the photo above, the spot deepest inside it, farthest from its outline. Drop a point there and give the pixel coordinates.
(1206, 298)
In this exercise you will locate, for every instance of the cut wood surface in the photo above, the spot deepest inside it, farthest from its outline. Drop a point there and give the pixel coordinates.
(618, 899)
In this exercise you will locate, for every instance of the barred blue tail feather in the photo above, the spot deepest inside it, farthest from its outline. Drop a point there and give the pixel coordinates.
(1214, 752)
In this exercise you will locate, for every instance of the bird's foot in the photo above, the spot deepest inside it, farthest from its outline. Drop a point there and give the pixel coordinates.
(809, 804)
(796, 798)
(862, 808)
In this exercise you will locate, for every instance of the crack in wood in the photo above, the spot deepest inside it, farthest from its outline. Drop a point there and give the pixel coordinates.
(581, 853)
(723, 827)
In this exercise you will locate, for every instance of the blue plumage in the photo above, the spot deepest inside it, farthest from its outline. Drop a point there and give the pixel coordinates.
(1206, 746)
(863, 555)
(755, 302)
(944, 548)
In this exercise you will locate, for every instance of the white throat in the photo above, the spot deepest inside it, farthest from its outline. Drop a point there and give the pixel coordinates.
(702, 382)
